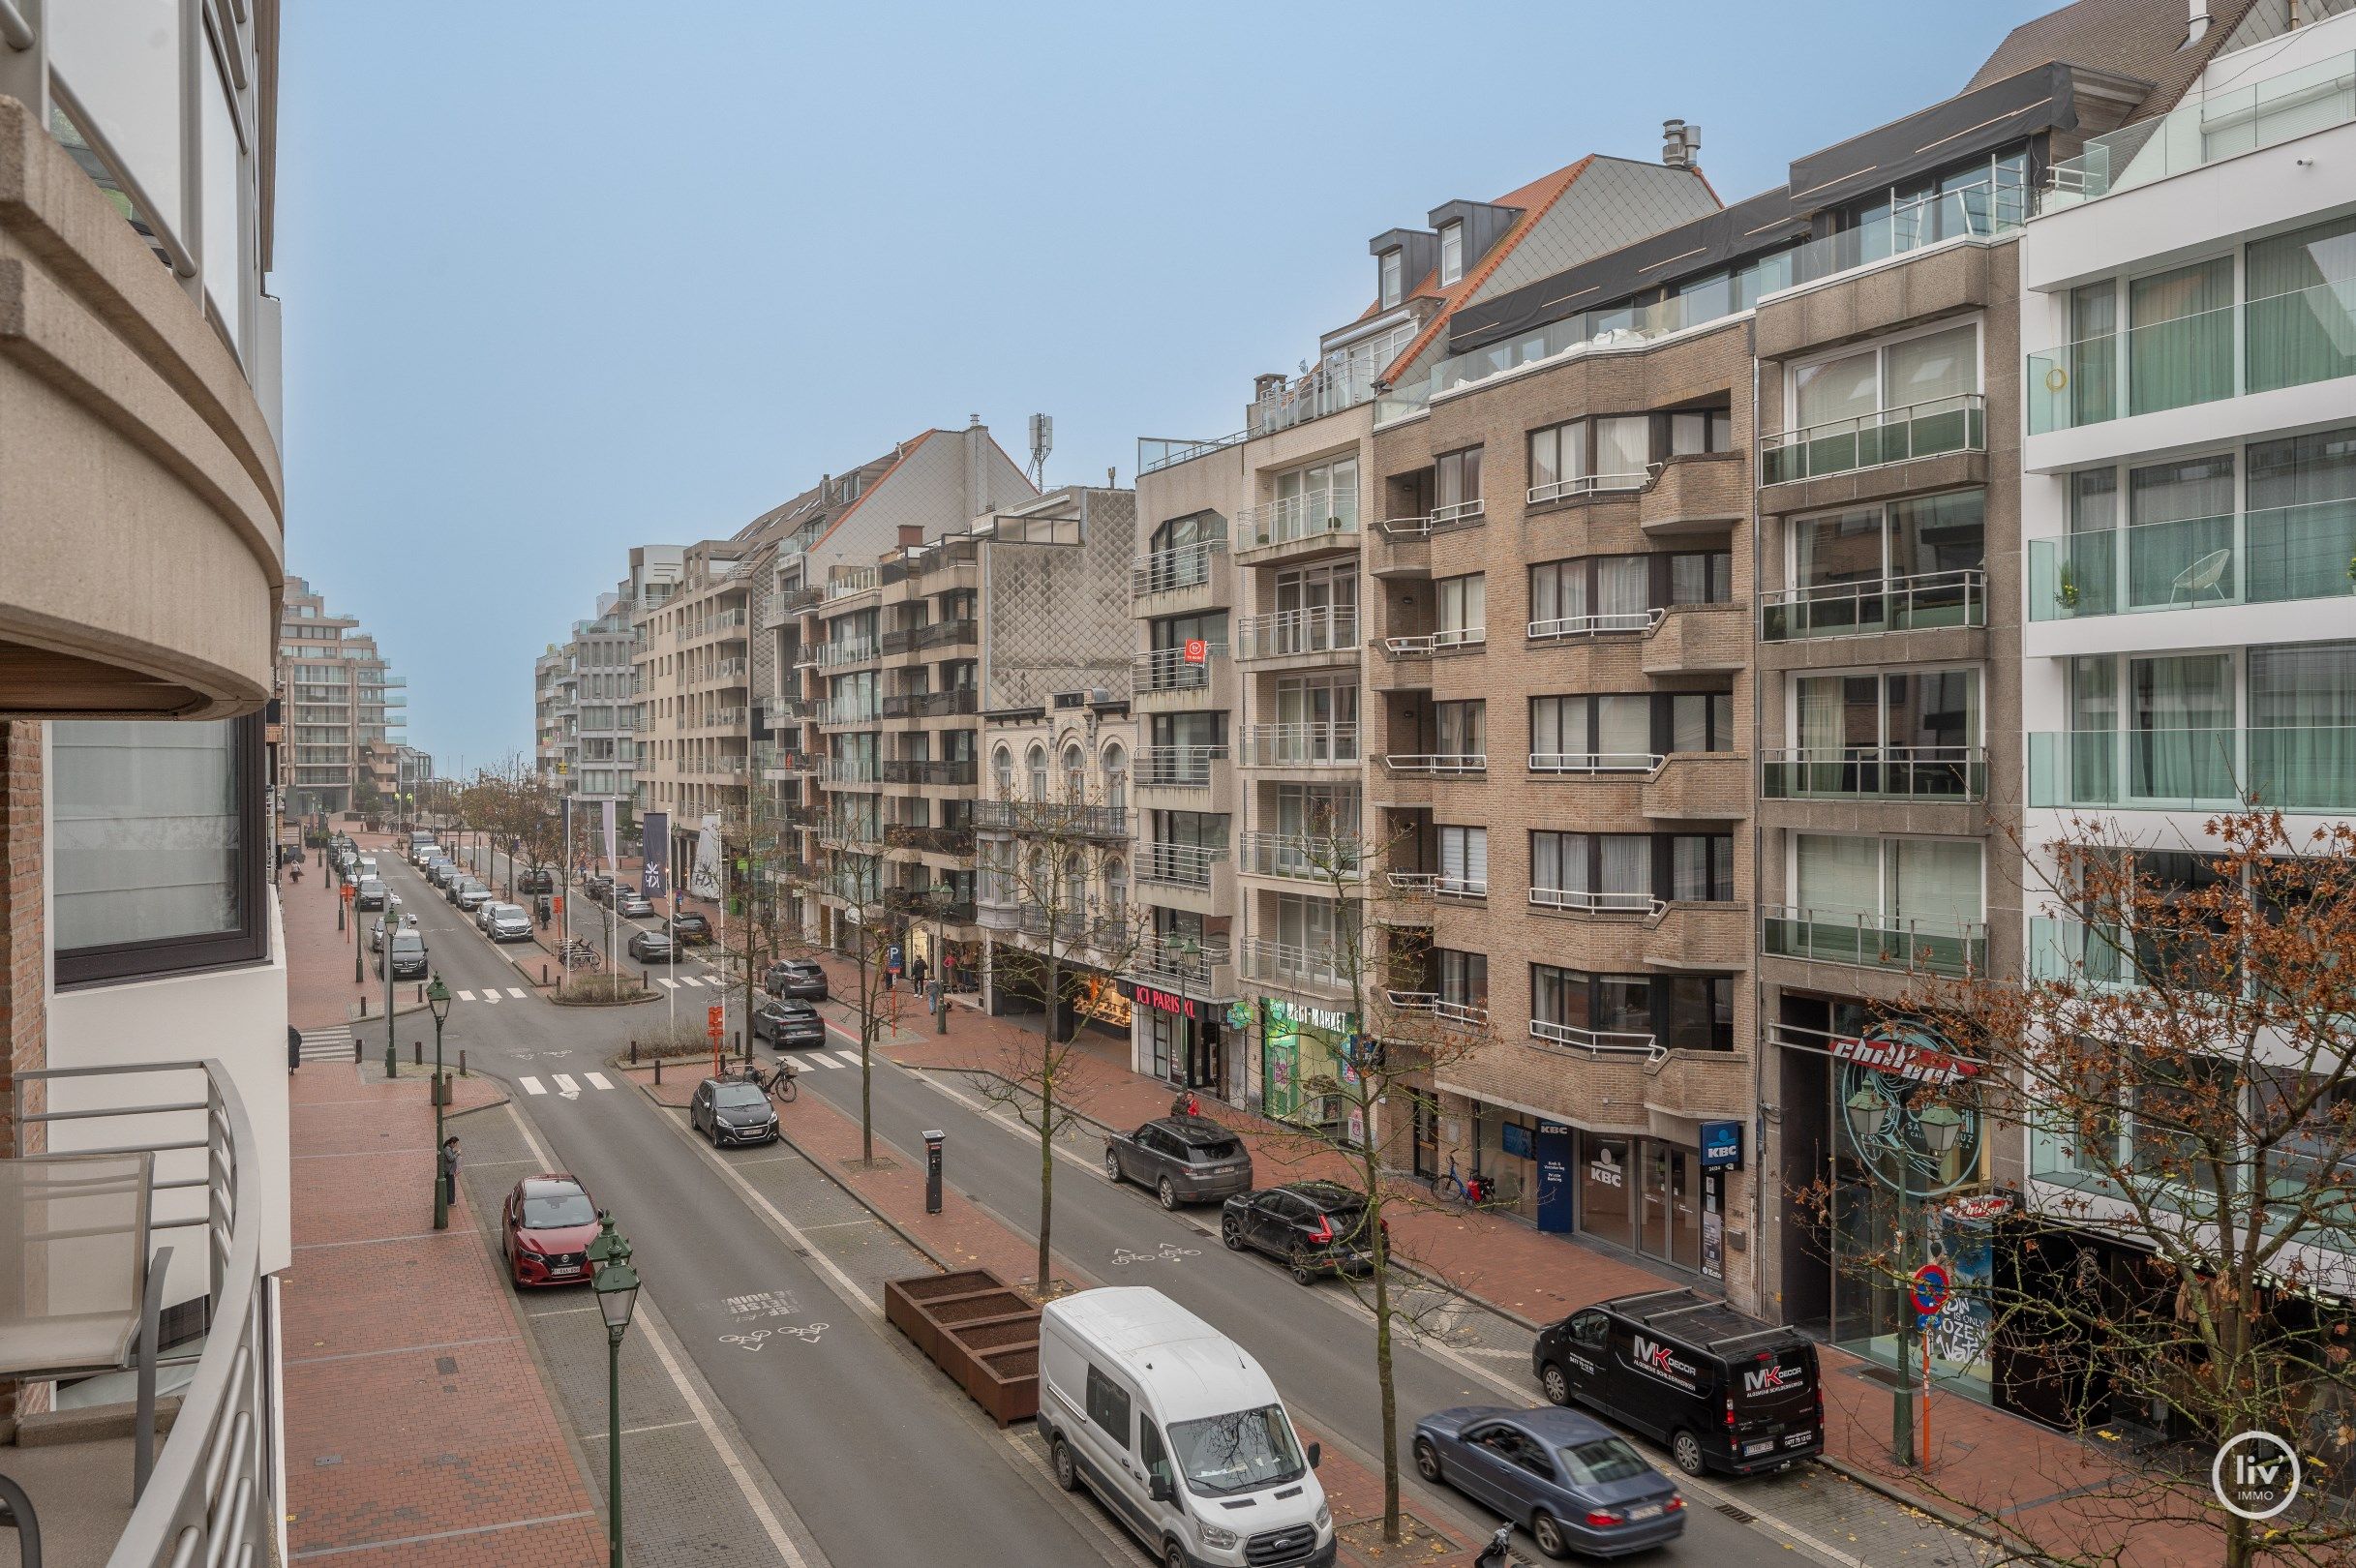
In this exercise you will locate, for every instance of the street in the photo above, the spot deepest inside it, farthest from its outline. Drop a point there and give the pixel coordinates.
(701, 1244)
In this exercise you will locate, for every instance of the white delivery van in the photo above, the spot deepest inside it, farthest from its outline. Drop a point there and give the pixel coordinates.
(1180, 1432)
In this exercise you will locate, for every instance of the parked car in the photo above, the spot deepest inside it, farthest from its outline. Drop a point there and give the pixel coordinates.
(632, 905)
(796, 976)
(731, 1111)
(406, 953)
(545, 1228)
(530, 880)
(1312, 1228)
(424, 853)
(471, 895)
(1178, 1431)
(1182, 1158)
(599, 887)
(689, 925)
(782, 1023)
(368, 866)
(1572, 1482)
(652, 947)
(510, 922)
(1723, 1391)
(439, 872)
(369, 894)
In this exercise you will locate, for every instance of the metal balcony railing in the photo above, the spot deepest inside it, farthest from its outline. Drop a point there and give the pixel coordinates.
(1922, 602)
(929, 840)
(1321, 514)
(1178, 865)
(1869, 941)
(1435, 763)
(1590, 484)
(1301, 745)
(1051, 819)
(1285, 964)
(1918, 430)
(1875, 773)
(1305, 856)
(932, 773)
(1182, 767)
(1593, 901)
(1165, 571)
(1447, 1010)
(1437, 885)
(1177, 963)
(1167, 668)
(1607, 624)
(1423, 645)
(848, 581)
(1159, 452)
(1290, 632)
(847, 650)
(1597, 1041)
(1595, 762)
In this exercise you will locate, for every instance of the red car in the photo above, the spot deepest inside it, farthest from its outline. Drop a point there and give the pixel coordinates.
(545, 1230)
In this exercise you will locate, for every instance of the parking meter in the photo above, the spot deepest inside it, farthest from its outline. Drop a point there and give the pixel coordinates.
(933, 1170)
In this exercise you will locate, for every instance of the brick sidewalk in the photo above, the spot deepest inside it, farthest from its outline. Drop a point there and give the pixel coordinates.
(418, 1430)
(1990, 1470)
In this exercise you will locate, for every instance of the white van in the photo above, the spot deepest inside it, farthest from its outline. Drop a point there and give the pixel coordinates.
(1176, 1428)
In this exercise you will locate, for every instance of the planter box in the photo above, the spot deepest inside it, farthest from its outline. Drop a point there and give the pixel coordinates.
(974, 1328)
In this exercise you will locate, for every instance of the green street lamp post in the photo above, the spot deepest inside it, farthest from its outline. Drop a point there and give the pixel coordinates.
(437, 997)
(1942, 1128)
(616, 1290)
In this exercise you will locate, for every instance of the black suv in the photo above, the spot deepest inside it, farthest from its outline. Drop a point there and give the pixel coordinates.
(1182, 1158)
(528, 881)
(1311, 1227)
(796, 976)
(690, 926)
(784, 1023)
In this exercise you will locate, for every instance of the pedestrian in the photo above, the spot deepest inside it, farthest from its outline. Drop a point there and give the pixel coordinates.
(916, 973)
(449, 1169)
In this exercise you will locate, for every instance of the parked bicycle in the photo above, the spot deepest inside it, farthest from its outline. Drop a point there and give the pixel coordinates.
(1470, 1190)
(778, 1083)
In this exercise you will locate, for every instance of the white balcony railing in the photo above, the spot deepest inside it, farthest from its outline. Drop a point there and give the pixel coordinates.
(1286, 963)
(1178, 768)
(1305, 856)
(1435, 763)
(1438, 884)
(1595, 762)
(1165, 571)
(1301, 745)
(1423, 645)
(1290, 632)
(1597, 1041)
(1447, 1010)
(1290, 519)
(1178, 865)
(1612, 623)
(1167, 668)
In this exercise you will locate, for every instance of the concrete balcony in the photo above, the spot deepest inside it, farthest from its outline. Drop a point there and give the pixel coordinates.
(1184, 876)
(1299, 638)
(1184, 778)
(1173, 582)
(1164, 681)
(1699, 639)
(1325, 973)
(1204, 972)
(1701, 493)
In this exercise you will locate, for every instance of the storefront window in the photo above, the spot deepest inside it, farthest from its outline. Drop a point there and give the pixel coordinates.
(1606, 1185)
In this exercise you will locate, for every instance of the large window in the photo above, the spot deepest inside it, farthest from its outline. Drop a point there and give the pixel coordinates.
(1905, 566)
(1932, 885)
(1907, 398)
(1626, 730)
(1594, 594)
(1392, 274)
(1464, 861)
(2302, 312)
(1463, 609)
(1457, 485)
(1632, 1013)
(1902, 733)
(158, 847)
(1586, 455)
(1629, 873)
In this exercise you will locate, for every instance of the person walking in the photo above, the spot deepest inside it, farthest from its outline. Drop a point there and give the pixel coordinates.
(449, 1170)
(916, 971)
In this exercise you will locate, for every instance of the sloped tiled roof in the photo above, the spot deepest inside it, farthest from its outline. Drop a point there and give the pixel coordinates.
(2142, 39)
(1533, 199)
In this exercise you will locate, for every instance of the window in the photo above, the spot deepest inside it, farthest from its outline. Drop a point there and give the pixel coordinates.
(1108, 1406)
(1694, 432)
(1393, 280)
(1075, 773)
(1451, 253)
(1457, 485)
(1910, 398)
(1463, 603)
(1463, 978)
(1912, 732)
(1116, 778)
(1591, 733)
(1932, 884)
(1038, 772)
(1464, 861)
(158, 847)
(1002, 773)
(2299, 315)
(1461, 729)
(1588, 455)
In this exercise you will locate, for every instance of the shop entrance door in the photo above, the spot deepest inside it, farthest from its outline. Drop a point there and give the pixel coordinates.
(1670, 1215)
(1202, 1058)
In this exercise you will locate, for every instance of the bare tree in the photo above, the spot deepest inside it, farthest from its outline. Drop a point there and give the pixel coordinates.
(1052, 883)
(2182, 1057)
(851, 873)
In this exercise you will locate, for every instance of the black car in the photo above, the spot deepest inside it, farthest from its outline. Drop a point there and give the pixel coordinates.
(535, 882)
(598, 888)
(406, 953)
(1723, 1391)
(1311, 1227)
(1182, 1158)
(369, 894)
(796, 976)
(784, 1023)
(652, 947)
(730, 1110)
(689, 925)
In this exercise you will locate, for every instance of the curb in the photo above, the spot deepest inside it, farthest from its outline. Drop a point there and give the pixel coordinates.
(1953, 1520)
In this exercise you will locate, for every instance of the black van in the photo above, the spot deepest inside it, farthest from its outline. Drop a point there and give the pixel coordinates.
(1723, 1391)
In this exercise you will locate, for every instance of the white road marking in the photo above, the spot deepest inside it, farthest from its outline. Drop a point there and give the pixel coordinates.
(566, 1087)
(850, 1058)
(532, 1086)
(466, 996)
(668, 982)
(660, 1339)
(518, 992)
(689, 980)
(597, 1080)
(490, 996)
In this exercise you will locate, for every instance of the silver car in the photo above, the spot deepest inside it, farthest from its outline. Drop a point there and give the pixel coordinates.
(508, 922)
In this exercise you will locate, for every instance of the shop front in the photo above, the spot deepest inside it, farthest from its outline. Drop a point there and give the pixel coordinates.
(1177, 1039)
(1305, 1052)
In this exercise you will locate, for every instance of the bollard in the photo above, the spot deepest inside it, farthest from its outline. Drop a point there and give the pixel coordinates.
(933, 1170)
(392, 1062)
(462, 1064)
(416, 1053)
(543, 974)
(364, 1004)
(658, 1069)
(420, 993)
(360, 1052)
(633, 1053)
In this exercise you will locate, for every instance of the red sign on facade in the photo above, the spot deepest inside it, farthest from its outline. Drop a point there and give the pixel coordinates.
(1198, 651)
(1166, 1002)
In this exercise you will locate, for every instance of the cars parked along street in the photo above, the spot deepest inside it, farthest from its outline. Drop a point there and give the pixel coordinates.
(1572, 1482)
(1313, 1229)
(783, 1021)
(652, 947)
(545, 1228)
(731, 1111)
(798, 977)
(369, 894)
(1182, 1158)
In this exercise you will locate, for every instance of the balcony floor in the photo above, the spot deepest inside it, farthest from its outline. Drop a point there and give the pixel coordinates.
(81, 1493)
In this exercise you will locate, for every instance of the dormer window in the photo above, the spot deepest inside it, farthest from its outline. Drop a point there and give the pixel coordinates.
(1451, 253)
(1392, 281)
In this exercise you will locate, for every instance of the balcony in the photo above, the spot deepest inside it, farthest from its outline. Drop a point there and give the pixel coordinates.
(1157, 452)
(1167, 668)
(1283, 963)
(957, 841)
(1205, 970)
(1178, 865)
(1612, 623)
(1302, 857)
(849, 771)
(1299, 525)
(950, 774)
(933, 634)
(1179, 768)
(1435, 763)
(2292, 339)
(2269, 556)
(1908, 774)
(1863, 608)
(789, 604)
(1342, 379)
(1919, 429)
(2226, 124)
(1297, 633)
(1052, 819)
(2290, 768)
(923, 704)
(1425, 645)
(1421, 884)
(1584, 486)
(1463, 1015)
(843, 651)
(843, 710)
(1300, 745)
(848, 582)
(1441, 519)
(1596, 1041)
(919, 562)
(180, 1166)
(1699, 639)
(1941, 947)
(1171, 571)
(779, 764)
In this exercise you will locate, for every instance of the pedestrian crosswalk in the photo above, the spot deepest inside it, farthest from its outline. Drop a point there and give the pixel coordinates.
(330, 1044)
(491, 993)
(675, 981)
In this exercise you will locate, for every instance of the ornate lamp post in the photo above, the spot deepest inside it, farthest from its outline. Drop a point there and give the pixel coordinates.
(616, 1290)
(1940, 1128)
(437, 997)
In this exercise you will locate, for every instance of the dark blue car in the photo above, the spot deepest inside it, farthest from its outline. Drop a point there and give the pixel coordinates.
(1572, 1482)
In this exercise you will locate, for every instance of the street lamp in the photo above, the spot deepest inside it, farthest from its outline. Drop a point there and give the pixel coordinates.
(615, 1288)
(1939, 1126)
(437, 997)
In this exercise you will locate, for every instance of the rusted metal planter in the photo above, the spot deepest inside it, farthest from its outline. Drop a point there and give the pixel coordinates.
(974, 1328)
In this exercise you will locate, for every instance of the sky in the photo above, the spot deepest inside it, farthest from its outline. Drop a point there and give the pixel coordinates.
(559, 279)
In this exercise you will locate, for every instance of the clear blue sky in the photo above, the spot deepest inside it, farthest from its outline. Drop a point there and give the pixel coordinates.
(561, 279)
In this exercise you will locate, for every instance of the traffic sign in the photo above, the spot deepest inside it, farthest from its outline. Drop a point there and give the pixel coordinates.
(715, 1019)
(1929, 1289)
(347, 893)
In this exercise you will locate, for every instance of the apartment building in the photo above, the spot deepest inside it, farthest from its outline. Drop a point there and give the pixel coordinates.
(911, 653)
(1261, 701)
(345, 710)
(2188, 315)
(552, 711)
(142, 987)
(584, 711)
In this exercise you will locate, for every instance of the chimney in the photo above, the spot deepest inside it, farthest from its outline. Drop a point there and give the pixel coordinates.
(977, 493)
(2199, 22)
(1682, 144)
(912, 535)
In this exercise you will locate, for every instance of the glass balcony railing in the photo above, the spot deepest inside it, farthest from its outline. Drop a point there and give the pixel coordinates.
(2290, 768)
(2266, 557)
(1892, 603)
(1875, 773)
(1157, 452)
(2291, 339)
(1328, 629)
(2074, 952)
(1909, 944)
(2297, 102)
(1919, 429)
(1301, 745)
(1307, 858)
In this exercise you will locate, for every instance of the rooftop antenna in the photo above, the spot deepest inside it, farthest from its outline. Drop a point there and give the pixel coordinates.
(1042, 442)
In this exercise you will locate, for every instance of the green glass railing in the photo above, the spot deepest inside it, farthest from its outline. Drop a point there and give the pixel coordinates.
(1928, 429)
(1908, 946)
(2265, 113)
(2265, 557)
(2076, 953)
(1919, 603)
(1875, 773)
(2295, 768)
(2291, 339)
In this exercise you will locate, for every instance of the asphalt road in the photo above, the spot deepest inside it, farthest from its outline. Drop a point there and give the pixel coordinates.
(882, 1469)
